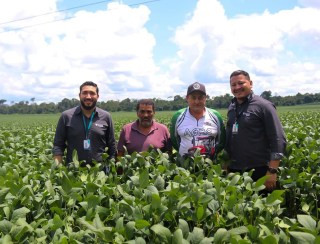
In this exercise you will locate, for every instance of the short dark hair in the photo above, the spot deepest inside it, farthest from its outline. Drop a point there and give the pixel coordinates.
(90, 83)
(145, 102)
(240, 72)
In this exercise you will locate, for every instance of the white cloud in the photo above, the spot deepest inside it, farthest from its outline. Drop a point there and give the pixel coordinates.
(113, 47)
(212, 46)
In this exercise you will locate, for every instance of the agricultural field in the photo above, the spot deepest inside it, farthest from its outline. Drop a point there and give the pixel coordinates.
(154, 200)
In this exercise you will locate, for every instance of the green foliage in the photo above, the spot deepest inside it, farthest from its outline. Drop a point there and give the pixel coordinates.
(156, 199)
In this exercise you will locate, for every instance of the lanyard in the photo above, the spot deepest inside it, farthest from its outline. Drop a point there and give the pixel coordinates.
(89, 125)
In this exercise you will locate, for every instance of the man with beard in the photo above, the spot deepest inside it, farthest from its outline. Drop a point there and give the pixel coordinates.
(86, 129)
(145, 132)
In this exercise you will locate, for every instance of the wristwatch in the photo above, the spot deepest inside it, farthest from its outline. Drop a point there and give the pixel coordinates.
(273, 170)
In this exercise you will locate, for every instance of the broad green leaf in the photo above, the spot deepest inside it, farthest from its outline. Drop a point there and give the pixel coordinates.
(49, 187)
(57, 222)
(141, 223)
(302, 237)
(3, 193)
(19, 213)
(183, 225)
(93, 201)
(144, 178)
(92, 187)
(156, 201)
(196, 236)
(5, 226)
(130, 230)
(307, 221)
(239, 230)
(7, 239)
(97, 222)
(269, 240)
(274, 197)
(200, 212)
(177, 236)
(234, 180)
(207, 240)
(204, 199)
(162, 232)
(119, 224)
(259, 184)
(66, 183)
(17, 231)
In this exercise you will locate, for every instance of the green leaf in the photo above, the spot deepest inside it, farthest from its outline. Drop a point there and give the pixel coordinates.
(269, 240)
(307, 221)
(239, 230)
(92, 187)
(97, 222)
(234, 180)
(130, 230)
(183, 225)
(19, 213)
(302, 237)
(141, 223)
(196, 236)
(5, 226)
(144, 178)
(57, 222)
(7, 239)
(66, 183)
(162, 232)
(156, 201)
(18, 231)
(259, 184)
(177, 236)
(119, 224)
(200, 212)
(49, 187)
(274, 198)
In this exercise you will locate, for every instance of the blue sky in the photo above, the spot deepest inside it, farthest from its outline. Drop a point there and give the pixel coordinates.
(155, 49)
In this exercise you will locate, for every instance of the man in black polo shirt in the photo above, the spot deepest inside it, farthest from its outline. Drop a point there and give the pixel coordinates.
(255, 137)
(85, 128)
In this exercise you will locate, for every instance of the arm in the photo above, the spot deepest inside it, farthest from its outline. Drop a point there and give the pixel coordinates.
(173, 130)
(111, 142)
(121, 143)
(277, 141)
(59, 143)
(222, 132)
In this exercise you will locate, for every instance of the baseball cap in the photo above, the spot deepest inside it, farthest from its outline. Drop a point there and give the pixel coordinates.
(196, 87)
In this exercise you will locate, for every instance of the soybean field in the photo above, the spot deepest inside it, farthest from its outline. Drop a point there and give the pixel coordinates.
(154, 200)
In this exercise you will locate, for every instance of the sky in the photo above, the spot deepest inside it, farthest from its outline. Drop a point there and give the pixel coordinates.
(156, 48)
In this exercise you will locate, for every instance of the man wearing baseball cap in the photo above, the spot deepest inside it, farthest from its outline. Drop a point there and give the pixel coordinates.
(197, 128)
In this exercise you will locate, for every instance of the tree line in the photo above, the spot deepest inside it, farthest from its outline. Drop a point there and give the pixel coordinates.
(178, 102)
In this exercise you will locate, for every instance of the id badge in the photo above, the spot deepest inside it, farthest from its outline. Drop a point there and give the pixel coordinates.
(235, 128)
(86, 144)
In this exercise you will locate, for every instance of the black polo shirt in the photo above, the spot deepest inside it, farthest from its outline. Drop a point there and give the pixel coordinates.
(71, 133)
(260, 137)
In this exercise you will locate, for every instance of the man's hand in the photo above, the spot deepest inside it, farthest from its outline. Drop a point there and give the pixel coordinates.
(58, 159)
(271, 182)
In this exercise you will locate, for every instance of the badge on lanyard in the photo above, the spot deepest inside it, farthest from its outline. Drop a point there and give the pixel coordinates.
(86, 144)
(235, 128)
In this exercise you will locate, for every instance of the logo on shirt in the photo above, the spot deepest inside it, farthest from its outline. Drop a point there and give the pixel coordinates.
(98, 125)
(199, 132)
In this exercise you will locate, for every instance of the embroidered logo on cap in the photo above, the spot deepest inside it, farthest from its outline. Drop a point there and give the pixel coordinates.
(196, 86)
